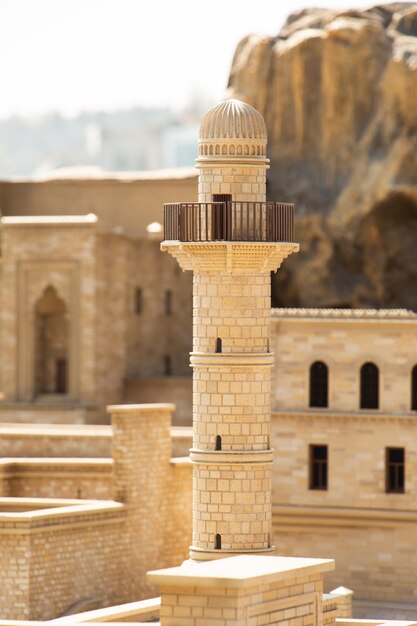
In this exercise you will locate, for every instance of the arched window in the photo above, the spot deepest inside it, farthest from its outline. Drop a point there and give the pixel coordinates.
(218, 442)
(218, 542)
(369, 386)
(218, 345)
(414, 388)
(319, 384)
(51, 343)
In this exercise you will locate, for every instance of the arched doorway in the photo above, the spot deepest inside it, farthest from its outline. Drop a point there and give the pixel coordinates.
(51, 344)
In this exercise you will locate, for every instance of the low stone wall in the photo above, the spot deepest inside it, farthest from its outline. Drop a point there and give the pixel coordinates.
(47, 413)
(52, 478)
(68, 549)
(55, 440)
(133, 612)
(72, 441)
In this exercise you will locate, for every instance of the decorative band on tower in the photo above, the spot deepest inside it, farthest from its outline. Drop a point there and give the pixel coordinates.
(231, 239)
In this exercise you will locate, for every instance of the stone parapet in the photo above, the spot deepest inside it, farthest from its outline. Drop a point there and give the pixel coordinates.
(243, 590)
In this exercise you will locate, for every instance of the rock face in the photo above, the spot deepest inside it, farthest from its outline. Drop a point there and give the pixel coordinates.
(338, 91)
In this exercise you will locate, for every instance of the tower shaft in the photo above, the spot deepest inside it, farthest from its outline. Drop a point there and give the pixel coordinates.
(232, 240)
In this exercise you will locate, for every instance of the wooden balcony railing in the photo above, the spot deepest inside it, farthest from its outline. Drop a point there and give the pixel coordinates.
(229, 221)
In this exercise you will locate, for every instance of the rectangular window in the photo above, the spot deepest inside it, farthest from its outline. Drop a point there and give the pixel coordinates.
(394, 470)
(318, 467)
(138, 301)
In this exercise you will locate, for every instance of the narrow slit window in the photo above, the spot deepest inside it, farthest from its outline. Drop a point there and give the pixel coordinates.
(61, 376)
(395, 470)
(167, 365)
(218, 542)
(319, 383)
(138, 301)
(168, 302)
(218, 345)
(369, 376)
(414, 388)
(318, 478)
(218, 442)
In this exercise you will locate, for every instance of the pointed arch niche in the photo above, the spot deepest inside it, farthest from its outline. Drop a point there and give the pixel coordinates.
(51, 344)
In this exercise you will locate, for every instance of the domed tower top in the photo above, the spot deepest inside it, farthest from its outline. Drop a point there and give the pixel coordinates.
(232, 128)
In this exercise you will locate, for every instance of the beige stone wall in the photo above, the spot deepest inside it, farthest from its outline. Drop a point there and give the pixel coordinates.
(59, 441)
(33, 258)
(176, 389)
(344, 345)
(233, 307)
(368, 532)
(293, 602)
(55, 478)
(110, 330)
(158, 524)
(56, 412)
(245, 183)
(72, 556)
(372, 556)
(223, 398)
(153, 334)
(70, 441)
(356, 449)
(14, 597)
(233, 501)
(95, 275)
(177, 528)
(125, 201)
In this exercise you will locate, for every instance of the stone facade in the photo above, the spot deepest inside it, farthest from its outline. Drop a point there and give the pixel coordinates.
(356, 517)
(113, 321)
(93, 552)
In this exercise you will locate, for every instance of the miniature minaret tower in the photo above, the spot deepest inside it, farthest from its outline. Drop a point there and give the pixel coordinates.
(231, 239)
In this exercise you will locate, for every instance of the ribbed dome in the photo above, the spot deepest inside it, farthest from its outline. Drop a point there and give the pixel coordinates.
(233, 119)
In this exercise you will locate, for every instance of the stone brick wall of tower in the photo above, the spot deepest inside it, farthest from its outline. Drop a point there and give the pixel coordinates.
(235, 308)
(234, 502)
(245, 183)
(233, 403)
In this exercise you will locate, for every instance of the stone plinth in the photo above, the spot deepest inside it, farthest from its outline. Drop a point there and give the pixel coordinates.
(243, 590)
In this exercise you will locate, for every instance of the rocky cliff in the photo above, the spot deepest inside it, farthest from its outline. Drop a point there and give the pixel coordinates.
(338, 91)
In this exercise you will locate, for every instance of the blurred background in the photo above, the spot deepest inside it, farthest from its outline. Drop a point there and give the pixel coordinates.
(118, 84)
